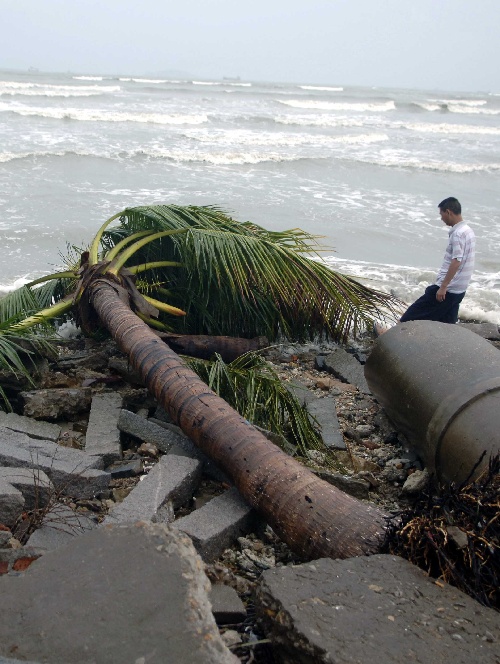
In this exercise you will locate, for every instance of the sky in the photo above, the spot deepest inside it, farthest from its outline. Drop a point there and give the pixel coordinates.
(429, 44)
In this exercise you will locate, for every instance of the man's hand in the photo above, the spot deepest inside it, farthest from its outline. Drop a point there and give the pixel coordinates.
(441, 294)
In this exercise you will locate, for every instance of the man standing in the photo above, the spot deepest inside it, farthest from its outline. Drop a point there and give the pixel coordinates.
(441, 301)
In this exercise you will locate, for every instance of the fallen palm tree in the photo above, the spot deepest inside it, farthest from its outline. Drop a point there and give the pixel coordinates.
(229, 278)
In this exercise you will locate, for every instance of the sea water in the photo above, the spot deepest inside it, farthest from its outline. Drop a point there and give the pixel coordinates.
(364, 168)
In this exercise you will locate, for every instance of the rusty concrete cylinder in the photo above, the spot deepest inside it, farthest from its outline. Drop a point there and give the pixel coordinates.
(440, 385)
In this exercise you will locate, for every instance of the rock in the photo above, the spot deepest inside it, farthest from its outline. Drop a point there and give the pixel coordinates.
(144, 601)
(56, 404)
(345, 366)
(416, 482)
(231, 638)
(458, 536)
(351, 610)
(227, 607)
(364, 430)
(358, 488)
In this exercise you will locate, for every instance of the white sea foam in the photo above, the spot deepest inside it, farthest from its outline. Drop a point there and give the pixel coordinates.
(95, 115)
(88, 78)
(45, 90)
(148, 80)
(444, 128)
(391, 158)
(428, 106)
(240, 137)
(218, 158)
(239, 85)
(323, 88)
(476, 110)
(323, 120)
(206, 82)
(8, 288)
(482, 301)
(362, 107)
(462, 102)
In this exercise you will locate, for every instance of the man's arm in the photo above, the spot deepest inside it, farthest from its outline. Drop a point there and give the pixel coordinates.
(452, 270)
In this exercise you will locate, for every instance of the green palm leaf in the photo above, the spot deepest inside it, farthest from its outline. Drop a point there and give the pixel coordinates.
(255, 390)
(244, 280)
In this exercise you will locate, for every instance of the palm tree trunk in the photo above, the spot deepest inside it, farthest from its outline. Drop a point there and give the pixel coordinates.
(204, 346)
(314, 518)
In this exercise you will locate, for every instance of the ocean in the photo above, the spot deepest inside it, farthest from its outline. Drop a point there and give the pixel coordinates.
(364, 168)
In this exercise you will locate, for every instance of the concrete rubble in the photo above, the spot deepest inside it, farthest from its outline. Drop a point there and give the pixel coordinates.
(376, 608)
(133, 593)
(134, 493)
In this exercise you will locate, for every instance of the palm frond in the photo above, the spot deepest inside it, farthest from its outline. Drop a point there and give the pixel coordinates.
(253, 389)
(242, 279)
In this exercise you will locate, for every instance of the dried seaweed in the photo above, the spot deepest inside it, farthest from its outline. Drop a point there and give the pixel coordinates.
(453, 533)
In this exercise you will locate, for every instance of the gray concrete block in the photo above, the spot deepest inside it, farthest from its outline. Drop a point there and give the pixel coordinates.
(71, 471)
(227, 607)
(217, 524)
(148, 431)
(103, 436)
(185, 447)
(346, 367)
(56, 404)
(59, 527)
(169, 484)
(21, 489)
(120, 594)
(323, 410)
(379, 606)
(11, 503)
(32, 428)
(33, 483)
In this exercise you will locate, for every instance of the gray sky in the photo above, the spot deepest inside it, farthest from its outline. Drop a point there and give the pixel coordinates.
(448, 44)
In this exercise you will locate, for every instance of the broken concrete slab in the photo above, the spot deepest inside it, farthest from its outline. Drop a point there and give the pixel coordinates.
(71, 471)
(11, 503)
(32, 428)
(185, 447)
(489, 331)
(217, 524)
(103, 436)
(147, 431)
(350, 610)
(323, 410)
(22, 489)
(15, 561)
(56, 404)
(60, 525)
(169, 484)
(116, 610)
(346, 367)
(227, 607)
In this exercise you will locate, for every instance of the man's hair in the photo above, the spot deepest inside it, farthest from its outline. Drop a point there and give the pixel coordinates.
(451, 204)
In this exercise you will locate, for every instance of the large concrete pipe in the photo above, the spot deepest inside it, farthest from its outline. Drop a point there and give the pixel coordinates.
(440, 385)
